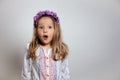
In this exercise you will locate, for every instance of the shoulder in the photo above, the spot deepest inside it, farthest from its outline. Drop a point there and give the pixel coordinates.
(27, 45)
(65, 59)
(26, 50)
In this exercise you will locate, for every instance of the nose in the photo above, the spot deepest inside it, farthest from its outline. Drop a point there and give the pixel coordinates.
(44, 30)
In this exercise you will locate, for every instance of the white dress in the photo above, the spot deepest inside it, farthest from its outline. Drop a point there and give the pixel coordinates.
(31, 70)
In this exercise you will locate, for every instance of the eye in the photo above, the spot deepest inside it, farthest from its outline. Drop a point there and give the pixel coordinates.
(49, 27)
(40, 27)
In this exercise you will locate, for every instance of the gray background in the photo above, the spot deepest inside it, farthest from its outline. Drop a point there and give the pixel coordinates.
(91, 29)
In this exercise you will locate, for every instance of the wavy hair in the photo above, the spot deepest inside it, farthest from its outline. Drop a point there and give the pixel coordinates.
(59, 48)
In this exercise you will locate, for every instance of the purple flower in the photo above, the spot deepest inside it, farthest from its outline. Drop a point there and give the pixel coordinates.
(47, 12)
(54, 14)
(57, 20)
(35, 18)
(40, 13)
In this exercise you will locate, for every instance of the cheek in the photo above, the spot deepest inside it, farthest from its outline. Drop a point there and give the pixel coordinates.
(52, 33)
(39, 33)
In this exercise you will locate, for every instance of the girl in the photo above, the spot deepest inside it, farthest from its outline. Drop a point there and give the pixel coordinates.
(46, 56)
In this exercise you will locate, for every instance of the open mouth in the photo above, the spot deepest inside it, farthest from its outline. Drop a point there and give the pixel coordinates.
(45, 36)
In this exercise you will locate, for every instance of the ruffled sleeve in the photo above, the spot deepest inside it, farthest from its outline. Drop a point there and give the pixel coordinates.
(65, 72)
(26, 67)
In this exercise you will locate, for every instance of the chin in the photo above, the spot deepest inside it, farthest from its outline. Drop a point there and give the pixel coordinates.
(45, 43)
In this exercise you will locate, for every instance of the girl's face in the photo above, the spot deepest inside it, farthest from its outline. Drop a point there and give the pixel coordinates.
(45, 30)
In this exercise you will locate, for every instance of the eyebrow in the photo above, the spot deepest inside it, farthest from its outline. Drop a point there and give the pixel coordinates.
(43, 25)
(40, 25)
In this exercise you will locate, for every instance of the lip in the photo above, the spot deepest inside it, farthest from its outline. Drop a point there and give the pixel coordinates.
(45, 37)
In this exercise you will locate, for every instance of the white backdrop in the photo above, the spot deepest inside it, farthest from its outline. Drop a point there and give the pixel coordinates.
(91, 28)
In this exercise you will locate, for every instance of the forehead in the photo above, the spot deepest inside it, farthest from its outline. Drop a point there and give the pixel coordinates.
(45, 20)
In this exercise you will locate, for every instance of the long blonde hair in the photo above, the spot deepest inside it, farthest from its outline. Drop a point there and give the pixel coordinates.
(60, 49)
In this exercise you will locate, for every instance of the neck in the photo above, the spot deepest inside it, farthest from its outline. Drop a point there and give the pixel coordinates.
(47, 46)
